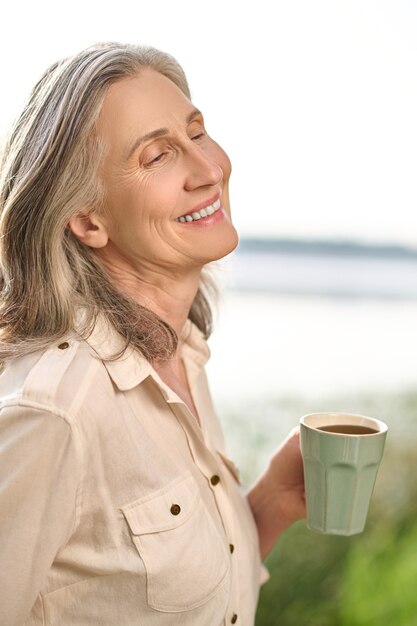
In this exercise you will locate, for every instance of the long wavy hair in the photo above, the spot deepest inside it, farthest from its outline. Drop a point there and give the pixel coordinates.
(49, 171)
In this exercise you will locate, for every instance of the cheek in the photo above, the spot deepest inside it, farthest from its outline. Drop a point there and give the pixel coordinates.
(139, 202)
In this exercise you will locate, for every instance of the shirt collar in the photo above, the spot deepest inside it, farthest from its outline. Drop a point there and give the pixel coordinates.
(131, 368)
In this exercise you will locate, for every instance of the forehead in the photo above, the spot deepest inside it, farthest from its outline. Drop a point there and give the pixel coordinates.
(141, 104)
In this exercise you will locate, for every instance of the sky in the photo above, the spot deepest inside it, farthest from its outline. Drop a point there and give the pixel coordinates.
(314, 101)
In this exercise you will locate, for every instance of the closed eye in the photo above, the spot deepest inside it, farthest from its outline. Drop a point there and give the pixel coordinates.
(156, 159)
(195, 137)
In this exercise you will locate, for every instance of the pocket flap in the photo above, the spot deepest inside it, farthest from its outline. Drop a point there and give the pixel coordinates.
(164, 509)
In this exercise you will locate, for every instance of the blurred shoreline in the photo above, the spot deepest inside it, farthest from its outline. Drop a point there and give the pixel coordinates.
(343, 269)
(342, 247)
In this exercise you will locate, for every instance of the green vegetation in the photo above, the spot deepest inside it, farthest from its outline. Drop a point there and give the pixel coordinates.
(365, 580)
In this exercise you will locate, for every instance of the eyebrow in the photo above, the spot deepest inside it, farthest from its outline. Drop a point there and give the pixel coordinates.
(155, 134)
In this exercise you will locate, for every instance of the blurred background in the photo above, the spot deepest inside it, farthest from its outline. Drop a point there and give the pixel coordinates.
(315, 102)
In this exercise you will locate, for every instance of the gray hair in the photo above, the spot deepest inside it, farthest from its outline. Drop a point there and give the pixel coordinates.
(49, 171)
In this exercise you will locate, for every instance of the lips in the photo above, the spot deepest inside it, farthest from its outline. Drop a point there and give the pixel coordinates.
(201, 214)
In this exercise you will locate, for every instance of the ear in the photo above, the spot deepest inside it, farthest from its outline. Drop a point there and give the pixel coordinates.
(89, 229)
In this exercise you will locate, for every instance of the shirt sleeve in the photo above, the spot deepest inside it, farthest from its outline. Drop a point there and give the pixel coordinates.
(40, 469)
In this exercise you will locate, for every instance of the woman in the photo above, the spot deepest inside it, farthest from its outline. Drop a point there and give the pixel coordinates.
(118, 504)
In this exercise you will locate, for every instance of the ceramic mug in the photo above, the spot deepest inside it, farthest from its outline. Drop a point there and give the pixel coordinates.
(341, 453)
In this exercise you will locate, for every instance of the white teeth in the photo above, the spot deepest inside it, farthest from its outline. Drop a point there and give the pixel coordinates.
(198, 215)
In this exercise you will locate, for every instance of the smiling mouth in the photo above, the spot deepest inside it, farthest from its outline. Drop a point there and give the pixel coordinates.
(201, 214)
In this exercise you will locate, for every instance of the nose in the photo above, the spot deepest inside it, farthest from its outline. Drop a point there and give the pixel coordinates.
(202, 169)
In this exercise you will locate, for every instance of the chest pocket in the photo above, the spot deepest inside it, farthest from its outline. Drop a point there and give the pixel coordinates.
(184, 555)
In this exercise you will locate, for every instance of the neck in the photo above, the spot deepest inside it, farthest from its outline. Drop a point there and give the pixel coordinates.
(169, 295)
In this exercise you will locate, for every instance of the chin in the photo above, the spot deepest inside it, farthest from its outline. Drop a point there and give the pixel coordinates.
(223, 245)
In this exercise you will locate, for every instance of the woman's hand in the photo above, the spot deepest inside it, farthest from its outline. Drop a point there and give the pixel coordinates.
(277, 499)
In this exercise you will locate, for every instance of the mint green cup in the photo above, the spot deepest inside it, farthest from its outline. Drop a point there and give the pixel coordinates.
(340, 469)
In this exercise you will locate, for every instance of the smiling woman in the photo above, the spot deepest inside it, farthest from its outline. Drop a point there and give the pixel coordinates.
(113, 472)
(58, 175)
(172, 171)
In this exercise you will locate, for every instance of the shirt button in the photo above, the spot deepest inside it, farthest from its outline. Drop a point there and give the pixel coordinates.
(232, 548)
(63, 346)
(234, 619)
(215, 479)
(175, 509)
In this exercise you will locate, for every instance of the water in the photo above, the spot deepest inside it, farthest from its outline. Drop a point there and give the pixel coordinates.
(362, 272)
(300, 332)
(335, 277)
(315, 324)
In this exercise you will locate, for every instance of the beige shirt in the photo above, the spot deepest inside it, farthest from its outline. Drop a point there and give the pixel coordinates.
(116, 507)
